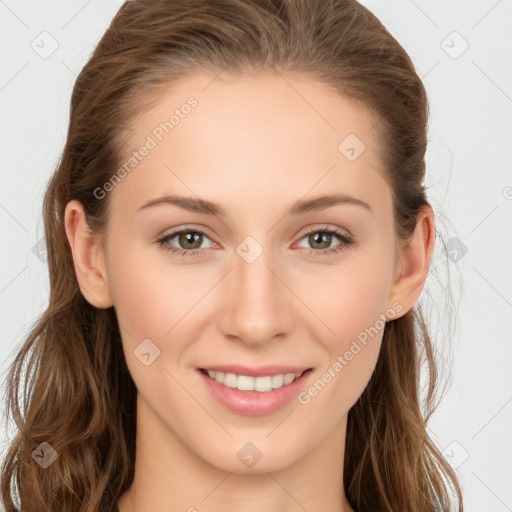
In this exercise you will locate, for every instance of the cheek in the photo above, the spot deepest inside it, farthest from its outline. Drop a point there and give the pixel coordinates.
(352, 351)
(353, 306)
(152, 304)
(352, 298)
(148, 302)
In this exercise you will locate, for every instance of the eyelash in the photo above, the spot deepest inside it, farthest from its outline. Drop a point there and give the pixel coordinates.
(346, 242)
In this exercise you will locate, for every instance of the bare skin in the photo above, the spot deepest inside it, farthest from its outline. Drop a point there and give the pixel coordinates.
(256, 146)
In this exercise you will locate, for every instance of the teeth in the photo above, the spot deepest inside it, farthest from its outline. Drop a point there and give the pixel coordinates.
(247, 383)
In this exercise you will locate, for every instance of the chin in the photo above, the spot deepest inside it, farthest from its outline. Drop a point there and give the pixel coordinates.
(249, 459)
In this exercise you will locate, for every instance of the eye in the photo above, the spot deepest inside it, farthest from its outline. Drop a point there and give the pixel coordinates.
(191, 241)
(323, 237)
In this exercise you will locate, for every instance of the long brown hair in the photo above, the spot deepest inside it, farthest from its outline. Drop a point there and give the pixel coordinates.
(78, 395)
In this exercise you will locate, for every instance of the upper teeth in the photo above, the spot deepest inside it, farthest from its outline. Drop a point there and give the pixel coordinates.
(247, 383)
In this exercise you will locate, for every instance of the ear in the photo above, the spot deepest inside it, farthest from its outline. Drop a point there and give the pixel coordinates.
(413, 262)
(88, 257)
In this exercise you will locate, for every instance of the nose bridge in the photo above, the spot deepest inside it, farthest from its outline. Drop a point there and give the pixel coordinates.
(257, 309)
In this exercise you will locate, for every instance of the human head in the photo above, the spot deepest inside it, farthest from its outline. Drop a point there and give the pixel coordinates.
(353, 55)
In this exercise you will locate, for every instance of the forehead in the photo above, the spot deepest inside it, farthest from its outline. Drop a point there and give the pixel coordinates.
(230, 137)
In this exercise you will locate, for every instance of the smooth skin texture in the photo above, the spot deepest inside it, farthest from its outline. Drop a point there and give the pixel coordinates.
(256, 144)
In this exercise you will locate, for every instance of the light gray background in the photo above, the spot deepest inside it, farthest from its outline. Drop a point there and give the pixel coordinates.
(469, 179)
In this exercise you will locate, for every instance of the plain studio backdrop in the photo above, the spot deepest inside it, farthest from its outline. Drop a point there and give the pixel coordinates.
(462, 51)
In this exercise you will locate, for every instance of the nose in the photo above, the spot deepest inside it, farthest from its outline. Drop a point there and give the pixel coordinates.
(256, 307)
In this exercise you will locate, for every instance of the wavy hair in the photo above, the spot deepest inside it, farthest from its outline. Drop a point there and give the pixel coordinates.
(77, 393)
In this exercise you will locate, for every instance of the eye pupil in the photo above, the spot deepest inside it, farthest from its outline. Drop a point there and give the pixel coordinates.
(190, 237)
(319, 237)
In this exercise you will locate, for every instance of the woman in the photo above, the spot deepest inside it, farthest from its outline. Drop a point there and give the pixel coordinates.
(237, 234)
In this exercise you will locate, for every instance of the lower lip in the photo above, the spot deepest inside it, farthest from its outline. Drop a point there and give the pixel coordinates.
(255, 403)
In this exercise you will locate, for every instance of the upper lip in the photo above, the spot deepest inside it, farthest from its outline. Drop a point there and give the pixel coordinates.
(255, 371)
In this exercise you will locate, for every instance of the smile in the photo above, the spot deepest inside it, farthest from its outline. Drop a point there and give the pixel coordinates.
(255, 395)
(248, 383)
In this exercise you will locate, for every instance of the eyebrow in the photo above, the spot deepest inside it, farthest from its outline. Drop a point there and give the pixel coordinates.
(300, 207)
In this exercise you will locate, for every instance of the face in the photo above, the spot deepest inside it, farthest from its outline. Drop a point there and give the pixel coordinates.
(263, 276)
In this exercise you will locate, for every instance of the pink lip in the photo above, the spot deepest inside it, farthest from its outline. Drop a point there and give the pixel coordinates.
(253, 371)
(255, 403)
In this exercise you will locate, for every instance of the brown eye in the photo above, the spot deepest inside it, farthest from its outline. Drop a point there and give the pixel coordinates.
(320, 240)
(193, 238)
(188, 242)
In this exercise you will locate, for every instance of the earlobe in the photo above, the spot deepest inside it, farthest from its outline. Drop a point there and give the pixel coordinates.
(88, 257)
(414, 262)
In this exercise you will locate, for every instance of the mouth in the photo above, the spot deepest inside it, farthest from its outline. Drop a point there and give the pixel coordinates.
(262, 383)
(251, 395)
